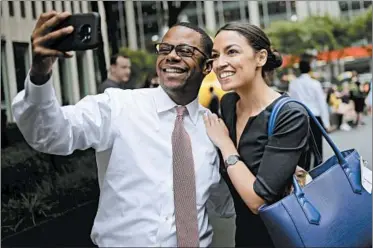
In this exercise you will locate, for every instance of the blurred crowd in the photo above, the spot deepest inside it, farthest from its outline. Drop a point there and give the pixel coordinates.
(348, 103)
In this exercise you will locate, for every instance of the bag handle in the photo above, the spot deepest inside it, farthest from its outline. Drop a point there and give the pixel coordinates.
(353, 174)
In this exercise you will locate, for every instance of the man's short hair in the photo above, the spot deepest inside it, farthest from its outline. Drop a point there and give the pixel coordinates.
(206, 41)
(304, 66)
(114, 58)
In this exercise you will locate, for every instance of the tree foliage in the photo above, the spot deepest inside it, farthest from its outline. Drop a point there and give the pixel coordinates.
(323, 33)
(361, 27)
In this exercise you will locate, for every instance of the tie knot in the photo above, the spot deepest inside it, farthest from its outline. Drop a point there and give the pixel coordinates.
(180, 110)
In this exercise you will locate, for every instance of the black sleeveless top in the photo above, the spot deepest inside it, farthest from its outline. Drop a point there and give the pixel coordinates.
(272, 160)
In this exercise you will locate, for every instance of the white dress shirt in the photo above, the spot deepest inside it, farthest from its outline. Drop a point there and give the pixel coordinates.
(131, 133)
(309, 91)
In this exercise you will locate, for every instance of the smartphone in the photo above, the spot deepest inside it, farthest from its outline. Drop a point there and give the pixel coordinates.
(86, 34)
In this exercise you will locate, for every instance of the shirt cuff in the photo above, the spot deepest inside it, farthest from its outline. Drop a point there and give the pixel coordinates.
(39, 93)
(264, 191)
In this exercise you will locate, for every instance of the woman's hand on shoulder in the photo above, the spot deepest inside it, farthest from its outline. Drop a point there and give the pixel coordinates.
(216, 130)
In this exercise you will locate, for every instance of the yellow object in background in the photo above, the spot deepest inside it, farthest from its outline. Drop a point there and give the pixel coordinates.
(204, 92)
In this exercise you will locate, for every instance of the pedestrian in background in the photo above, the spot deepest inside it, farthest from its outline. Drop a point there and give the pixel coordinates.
(309, 91)
(119, 73)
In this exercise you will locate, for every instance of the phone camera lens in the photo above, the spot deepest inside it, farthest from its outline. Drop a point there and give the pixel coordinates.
(85, 33)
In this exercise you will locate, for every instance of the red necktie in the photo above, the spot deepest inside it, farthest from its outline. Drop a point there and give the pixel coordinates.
(184, 185)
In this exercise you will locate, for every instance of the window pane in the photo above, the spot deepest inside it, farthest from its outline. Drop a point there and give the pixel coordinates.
(33, 7)
(355, 4)
(11, 8)
(20, 51)
(23, 10)
(276, 7)
(343, 5)
(3, 75)
(367, 4)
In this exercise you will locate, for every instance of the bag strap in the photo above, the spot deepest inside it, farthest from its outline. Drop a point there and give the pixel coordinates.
(271, 127)
(353, 174)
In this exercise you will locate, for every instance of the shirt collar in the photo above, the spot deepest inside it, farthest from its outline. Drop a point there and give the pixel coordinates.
(164, 103)
(305, 75)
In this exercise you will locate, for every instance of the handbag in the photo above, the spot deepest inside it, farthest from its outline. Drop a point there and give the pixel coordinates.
(333, 210)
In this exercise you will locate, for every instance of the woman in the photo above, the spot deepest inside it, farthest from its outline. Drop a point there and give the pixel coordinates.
(241, 58)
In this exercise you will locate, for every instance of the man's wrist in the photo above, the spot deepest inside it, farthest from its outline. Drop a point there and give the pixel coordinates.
(39, 78)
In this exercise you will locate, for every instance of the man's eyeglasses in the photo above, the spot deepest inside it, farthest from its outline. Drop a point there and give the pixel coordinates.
(181, 50)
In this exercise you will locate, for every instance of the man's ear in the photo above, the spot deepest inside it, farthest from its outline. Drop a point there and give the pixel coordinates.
(207, 67)
(261, 57)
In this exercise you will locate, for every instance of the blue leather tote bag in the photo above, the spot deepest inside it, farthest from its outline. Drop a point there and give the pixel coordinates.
(333, 210)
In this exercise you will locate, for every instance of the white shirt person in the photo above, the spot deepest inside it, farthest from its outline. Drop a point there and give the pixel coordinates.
(131, 133)
(136, 201)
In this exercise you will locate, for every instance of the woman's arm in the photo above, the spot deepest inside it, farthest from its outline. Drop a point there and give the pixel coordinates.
(280, 157)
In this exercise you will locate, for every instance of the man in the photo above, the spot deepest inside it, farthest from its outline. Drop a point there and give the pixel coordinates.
(159, 164)
(310, 92)
(119, 73)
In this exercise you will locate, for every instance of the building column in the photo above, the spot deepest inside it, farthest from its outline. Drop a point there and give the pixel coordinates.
(288, 10)
(105, 40)
(39, 8)
(243, 16)
(89, 65)
(57, 82)
(349, 6)
(265, 14)
(48, 5)
(55, 71)
(11, 79)
(72, 68)
(76, 7)
(199, 12)
(28, 9)
(332, 8)
(141, 24)
(220, 13)
(123, 37)
(254, 13)
(302, 9)
(210, 16)
(131, 25)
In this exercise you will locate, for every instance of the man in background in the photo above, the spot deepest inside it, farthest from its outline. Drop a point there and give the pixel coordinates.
(119, 73)
(309, 91)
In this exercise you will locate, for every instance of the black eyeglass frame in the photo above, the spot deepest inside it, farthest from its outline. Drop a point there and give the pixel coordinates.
(172, 47)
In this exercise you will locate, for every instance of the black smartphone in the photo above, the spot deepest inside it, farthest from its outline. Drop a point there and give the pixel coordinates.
(86, 34)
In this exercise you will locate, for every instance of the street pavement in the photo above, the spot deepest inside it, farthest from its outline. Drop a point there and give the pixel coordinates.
(359, 138)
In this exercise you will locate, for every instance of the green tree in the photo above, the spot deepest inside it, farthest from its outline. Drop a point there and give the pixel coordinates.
(361, 27)
(288, 37)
